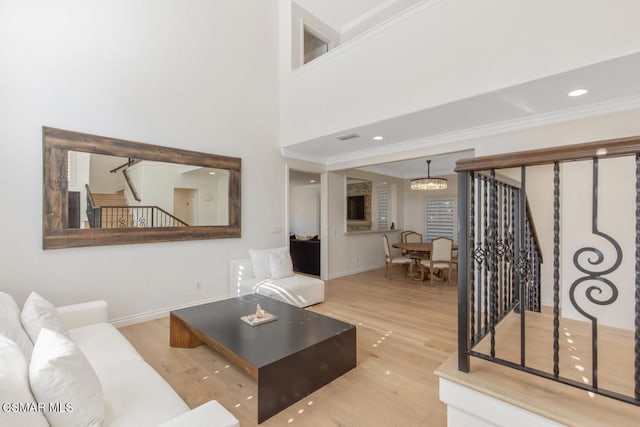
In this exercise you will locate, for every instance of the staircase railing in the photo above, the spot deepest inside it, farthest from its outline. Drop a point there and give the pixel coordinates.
(499, 259)
(93, 211)
(138, 216)
(129, 216)
(505, 254)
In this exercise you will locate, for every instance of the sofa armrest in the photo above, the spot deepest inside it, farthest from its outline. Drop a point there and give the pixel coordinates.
(207, 414)
(88, 313)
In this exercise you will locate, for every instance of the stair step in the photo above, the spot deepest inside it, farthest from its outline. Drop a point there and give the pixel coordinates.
(110, 199)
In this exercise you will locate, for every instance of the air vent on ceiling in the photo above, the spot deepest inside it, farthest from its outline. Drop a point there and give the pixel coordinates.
(348, 137)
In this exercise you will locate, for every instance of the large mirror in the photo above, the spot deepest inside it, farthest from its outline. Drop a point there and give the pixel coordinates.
(105, 191)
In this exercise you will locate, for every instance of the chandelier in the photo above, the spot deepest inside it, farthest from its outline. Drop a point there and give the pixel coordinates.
(428, 183)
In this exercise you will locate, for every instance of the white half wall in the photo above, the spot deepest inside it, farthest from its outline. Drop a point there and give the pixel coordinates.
(200, 76)
(442, 51)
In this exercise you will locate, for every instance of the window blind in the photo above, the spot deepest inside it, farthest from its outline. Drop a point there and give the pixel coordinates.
(383, 209)
(441, 219)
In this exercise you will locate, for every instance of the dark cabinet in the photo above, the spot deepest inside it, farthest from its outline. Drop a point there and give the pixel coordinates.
(305, 255)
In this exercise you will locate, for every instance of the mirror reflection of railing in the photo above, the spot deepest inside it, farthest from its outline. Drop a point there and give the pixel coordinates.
(129, 216)
(134, 216)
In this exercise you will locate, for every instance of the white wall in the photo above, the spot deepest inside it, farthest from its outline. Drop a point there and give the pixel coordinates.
(155, 183)
(617, 219)
(355, 252)
(444, 51)
(415, 203)
(101, 180)
(199, 76)
(304, 210)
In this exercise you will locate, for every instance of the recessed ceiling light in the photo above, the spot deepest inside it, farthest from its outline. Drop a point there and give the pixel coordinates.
(378, 138)
(312, 181)
(578, 92)
(212, 173)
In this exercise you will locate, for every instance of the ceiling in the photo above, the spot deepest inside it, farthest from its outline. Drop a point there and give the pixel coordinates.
(299, 178)
(417, 168)
(613, 86)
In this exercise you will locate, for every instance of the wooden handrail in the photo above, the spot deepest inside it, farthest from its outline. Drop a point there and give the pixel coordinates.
(131, 187)
(608, 148)
(534, 233)
(176, 218)
(130, 162)
(90, 195)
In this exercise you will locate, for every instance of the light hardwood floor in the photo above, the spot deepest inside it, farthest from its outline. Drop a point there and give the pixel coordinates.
(405, 330)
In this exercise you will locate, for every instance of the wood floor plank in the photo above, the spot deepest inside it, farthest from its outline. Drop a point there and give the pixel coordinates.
(405, 329)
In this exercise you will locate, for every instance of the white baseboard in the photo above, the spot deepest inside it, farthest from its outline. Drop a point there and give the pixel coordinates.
(156, 314)
(356, 270)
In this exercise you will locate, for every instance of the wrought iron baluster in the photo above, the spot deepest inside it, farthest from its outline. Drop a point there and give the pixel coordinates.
(463, 251)
(505, 237)
(523, 214)
(477, 251)
(493, 260)
(512, 255)
(485, 279)
(472, 230)
(637, 293)
(595, 275)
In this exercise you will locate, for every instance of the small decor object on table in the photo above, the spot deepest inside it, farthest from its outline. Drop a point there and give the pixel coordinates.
(259, 317)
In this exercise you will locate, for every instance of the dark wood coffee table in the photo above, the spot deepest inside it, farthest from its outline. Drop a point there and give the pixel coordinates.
(289, 358)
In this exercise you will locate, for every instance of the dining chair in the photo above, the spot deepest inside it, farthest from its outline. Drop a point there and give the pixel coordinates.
(412, 237)
(390, 260)
(441, 250)
(403, 240)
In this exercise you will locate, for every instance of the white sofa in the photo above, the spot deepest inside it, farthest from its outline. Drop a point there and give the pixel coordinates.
(134, 393)
(298, 289)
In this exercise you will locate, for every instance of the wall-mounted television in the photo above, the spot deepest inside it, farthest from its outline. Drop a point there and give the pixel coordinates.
(355, 207)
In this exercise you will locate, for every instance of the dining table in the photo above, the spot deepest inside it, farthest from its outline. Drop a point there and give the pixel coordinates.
(419, 251)
(423, 247)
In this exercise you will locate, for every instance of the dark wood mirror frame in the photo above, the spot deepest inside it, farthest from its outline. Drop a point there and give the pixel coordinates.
(55, 234)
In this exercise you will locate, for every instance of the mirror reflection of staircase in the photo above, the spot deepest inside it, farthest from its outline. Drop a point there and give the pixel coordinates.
(115, 213)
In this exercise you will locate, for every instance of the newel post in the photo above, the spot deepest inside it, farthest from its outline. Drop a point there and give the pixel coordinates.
(463, 271)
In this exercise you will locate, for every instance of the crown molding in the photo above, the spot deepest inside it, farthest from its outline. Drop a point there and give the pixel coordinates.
(367, 15)
(538, 120)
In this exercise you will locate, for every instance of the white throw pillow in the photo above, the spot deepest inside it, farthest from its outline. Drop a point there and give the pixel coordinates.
(38, 313)
(280, 263)
(14, 389)
(10, 325)
(60, 373)
(260, 263)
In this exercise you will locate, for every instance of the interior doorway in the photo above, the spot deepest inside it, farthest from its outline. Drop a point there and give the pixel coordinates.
(304, 221)
(185, 205)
